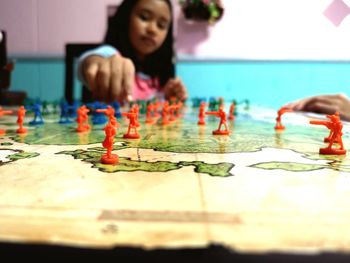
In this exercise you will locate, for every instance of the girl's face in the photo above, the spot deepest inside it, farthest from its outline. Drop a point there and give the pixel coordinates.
(149, 25)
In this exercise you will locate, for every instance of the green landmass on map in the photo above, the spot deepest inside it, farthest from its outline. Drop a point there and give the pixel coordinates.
(6, 143)
(22, 155)
(18, 155)
(218, 169)
(128, 165)
(185, 136)
(299, 167)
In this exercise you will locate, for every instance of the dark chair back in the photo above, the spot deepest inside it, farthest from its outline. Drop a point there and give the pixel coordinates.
(3, 52)
(73, 51)
(6, 66)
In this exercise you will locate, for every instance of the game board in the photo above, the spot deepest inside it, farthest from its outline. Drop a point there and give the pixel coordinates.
(179, 186)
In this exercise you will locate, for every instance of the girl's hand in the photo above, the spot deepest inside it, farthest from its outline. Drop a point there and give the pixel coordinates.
(175, 88)
(109, 79)
(327, 104)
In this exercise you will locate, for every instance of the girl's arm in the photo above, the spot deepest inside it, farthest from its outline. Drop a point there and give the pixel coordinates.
(104, 51)
(327, 104)
(108, 75)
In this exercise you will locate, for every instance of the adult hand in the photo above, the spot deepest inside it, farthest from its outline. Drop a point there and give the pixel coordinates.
(109, 79)
(327, 104)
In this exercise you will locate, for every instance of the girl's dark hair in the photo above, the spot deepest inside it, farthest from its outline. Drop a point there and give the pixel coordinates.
(160, 63)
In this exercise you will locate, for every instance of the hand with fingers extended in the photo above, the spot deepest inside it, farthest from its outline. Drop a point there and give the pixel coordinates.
(109, 79)
(327, 104)
(175, 88)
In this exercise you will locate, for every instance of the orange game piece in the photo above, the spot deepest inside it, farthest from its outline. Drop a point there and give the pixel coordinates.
(172, 109)
(157, 104)
(179, 107)
(20, 119)
(201, 114)
(280, 112)
(136, 110)
(165, 113)
(150, 113)
(109, 158)
(131, 115)
(2, 113)
(82, 119)
(222, 115)
(335, 126)
(231, 115)
(110, 113)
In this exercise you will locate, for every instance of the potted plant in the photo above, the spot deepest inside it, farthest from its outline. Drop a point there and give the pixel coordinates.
(202, 10)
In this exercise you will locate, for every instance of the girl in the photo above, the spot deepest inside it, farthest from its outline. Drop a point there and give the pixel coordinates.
(139, 39)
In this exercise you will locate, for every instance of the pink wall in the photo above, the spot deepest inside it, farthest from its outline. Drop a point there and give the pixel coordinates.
(19, 23)
(42, 27)
(249, 29)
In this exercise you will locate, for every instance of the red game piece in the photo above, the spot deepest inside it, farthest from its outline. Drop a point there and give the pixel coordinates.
(165, 113)
(280, 112)
(20, 119)
(172, 109)
(131, 115)
(179, 106)
(136, 109)
(231, 116)
(156, 106)
(82, 119)
(2, 113)
(222, 115)
(150, 113)
(201, 114)
(335, 126)
(110, 113)
(109, 158)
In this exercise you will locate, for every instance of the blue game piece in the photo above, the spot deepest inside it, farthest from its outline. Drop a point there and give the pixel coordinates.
(116, 107)
(36, 108)
(73, 109)
(64, 117)
(98, 117)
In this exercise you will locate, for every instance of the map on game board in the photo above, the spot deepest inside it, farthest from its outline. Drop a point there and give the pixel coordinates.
(178, 186)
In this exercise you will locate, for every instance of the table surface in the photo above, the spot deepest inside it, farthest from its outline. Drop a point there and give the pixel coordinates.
(178, 187)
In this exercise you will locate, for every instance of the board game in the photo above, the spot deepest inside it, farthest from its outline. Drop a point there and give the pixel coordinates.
(178, 186)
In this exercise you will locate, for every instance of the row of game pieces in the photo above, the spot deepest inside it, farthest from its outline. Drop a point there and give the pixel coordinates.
(54, 107)
(334, 125)
(68, 111)
(100, 112)
(215, 102)
(168, 109)
(169, 113)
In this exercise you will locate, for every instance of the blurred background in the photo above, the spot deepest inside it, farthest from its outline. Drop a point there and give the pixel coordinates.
(269, 52)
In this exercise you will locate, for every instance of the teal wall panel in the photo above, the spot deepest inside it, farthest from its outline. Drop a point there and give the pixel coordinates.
(25, 77)
(268, 83)
(51, 79)
(39, 78)
(265, 83)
